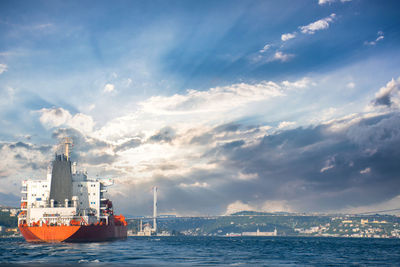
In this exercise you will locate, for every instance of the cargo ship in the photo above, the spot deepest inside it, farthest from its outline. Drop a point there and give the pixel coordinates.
(68, 206)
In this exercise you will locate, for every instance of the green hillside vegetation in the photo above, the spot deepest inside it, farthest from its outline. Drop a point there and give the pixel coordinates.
(285, 223)
(6, 220)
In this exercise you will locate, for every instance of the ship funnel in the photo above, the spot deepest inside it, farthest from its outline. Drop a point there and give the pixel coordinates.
(61, 176)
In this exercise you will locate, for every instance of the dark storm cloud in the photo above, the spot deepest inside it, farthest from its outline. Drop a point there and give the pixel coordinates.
(312, 169)
(202, 139)
(166, 134)
(42, 148)
(224, 129)
(35, 165)
(233, 144)
(87, 145)
(229, 127)
(20, 144)
(318, 169)
(134, 142)
(99, 159)
(81, 142)
(384, 100)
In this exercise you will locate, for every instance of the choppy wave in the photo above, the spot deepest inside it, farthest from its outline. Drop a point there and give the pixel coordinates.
(189, 251)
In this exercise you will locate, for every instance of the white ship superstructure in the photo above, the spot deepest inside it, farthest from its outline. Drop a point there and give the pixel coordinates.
(87, 202)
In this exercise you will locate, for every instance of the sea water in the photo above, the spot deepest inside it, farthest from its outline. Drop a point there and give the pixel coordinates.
(211, 251)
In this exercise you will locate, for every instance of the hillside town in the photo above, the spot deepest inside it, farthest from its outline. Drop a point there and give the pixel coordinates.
(248, 223)
(8, 222)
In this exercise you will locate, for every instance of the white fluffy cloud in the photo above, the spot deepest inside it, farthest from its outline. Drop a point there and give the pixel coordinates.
(302, 83)
(379, 37)
(286, 124)
(108, 88)
(318, 25)
(267, 206)
(238, 206)
(280, 56)
(265, 48)
(194, 108)
(215, 99)
(323, 2)
(287, 36)
(389, 95)
(351, 85)
(56, 117)
(3, 68)
(366, 170)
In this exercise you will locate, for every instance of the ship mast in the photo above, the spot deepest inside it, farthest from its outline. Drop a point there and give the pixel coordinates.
(67, 146)
(155, 209)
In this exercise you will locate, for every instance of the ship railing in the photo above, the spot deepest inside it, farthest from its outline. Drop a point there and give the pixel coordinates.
(60, 220)
(104, 218)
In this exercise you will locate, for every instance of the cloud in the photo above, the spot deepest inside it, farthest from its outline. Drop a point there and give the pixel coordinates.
(267, 206)
(88, 151)
(329, 164)
(214, 99)
(238, 206)
(196, 184)
(318, 25)
(302, 83)
(298, 165)
(351, 85)
(166, 134)
(366, 170)
(286, 124)
(56, 117)
(201, 152)
(265, 48)
(42, 26)
(323, 2)
(108, 88)
(280, 56)
(388, 95)
(3, 68)
(378, 38)
(287, 36)
(22, 159)
(132, 143)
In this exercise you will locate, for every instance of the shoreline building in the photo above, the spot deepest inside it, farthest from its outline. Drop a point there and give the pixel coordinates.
(258, 233)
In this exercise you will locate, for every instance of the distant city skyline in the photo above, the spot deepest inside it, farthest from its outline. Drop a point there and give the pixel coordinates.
(223, 105)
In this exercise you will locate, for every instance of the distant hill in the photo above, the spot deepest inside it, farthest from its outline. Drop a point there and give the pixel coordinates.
(9, 200)
(255, 213)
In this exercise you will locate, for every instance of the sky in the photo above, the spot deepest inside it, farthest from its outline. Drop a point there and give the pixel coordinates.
(223, 105)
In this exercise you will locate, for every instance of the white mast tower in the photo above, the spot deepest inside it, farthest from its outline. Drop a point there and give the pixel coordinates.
(155, 210)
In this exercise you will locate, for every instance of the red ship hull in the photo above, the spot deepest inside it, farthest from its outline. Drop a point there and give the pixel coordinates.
(80, 233)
